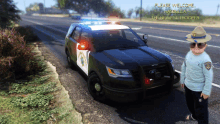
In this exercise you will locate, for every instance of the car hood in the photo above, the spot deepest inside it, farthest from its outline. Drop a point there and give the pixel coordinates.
(142, 56)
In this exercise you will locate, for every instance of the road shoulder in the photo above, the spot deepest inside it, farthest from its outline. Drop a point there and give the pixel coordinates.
(86, 106)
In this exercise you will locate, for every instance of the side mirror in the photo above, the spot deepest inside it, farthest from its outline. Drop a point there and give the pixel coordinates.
(145, 38)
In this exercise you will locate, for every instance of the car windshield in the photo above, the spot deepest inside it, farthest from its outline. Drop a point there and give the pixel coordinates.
(116, 39)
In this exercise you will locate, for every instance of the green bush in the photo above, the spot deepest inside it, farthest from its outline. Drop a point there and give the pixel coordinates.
(4, 119)
(16, 57)
(34, 100)
(27, 33)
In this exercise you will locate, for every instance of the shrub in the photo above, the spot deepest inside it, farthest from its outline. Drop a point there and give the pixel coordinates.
(4, 119)
(27, 33)
(34, 100)
(16, 57)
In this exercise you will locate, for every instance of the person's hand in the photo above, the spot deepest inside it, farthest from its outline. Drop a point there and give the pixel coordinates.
(182, 85)
(204, 96)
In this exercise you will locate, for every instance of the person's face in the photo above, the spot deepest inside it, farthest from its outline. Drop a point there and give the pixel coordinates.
(197, 48)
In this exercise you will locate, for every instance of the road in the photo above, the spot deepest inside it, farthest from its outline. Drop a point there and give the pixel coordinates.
(169, 39)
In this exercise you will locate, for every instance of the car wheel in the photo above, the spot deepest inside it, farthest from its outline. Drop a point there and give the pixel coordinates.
(95, 88)
(69, 60)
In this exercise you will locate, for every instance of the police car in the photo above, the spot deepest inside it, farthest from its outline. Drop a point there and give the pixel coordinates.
(119, 64)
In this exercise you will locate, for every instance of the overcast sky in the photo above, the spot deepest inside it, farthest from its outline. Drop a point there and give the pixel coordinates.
(208, 7)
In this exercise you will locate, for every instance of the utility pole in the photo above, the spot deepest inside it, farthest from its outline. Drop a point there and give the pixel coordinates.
(141, 11)
(44, 6)
(24, 6)
(217, 10)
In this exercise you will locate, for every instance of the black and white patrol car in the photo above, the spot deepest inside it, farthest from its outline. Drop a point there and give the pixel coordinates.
(119, 64)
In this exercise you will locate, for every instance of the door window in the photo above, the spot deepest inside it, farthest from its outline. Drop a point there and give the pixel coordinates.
(76, 34)
(130, 36)
(85, 36)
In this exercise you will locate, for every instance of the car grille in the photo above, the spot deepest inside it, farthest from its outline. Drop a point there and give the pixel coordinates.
(136, 77)
(161, 68)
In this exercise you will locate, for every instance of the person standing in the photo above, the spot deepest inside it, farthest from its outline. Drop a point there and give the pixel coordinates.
(197, 76)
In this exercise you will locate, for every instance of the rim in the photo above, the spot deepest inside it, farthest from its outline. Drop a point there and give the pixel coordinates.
(96, 88)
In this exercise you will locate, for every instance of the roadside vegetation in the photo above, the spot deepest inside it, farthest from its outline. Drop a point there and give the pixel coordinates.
(166, 14)
(30, 91)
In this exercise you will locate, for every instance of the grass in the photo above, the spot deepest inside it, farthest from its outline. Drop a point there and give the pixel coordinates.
(38, 99)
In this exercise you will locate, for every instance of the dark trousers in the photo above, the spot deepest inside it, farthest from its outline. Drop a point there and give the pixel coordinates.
(197, 105)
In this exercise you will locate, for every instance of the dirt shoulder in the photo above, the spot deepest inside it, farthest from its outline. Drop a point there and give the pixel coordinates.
(81, 100)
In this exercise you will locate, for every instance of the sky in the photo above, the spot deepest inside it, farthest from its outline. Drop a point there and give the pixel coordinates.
(208, 7)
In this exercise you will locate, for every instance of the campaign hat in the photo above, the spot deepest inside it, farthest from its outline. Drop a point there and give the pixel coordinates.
(198, 35)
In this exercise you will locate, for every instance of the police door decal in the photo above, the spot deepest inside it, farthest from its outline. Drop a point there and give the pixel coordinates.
(82, 59)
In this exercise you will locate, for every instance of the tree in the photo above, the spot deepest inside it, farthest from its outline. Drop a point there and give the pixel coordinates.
(100, 7)
(130, 11)
(62, 3)
(137, 10)
(33, 7)
(9, 12)
(81, 6)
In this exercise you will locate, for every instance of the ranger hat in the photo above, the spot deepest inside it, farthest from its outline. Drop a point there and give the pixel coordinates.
(198, 35)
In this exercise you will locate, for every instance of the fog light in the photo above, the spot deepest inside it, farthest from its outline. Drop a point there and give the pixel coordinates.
(146, 80)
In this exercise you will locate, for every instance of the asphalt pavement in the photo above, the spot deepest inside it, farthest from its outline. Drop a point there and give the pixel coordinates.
(169, 39)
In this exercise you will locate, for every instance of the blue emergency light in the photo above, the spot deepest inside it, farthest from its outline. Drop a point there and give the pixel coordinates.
(96, 21)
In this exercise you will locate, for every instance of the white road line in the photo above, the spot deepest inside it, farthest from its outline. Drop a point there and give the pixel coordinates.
(216, 85)
(137, 33)
(178, 71)
(175, 40)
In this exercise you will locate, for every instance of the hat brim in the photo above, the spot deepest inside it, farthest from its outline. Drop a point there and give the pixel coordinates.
(202, 40)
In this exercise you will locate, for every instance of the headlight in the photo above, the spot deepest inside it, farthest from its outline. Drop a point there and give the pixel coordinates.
(118, 72)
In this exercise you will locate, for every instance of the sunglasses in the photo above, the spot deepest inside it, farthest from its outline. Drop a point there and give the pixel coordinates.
(200, 45)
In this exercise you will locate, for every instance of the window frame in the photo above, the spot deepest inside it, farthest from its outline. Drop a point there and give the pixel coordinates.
(73, 33)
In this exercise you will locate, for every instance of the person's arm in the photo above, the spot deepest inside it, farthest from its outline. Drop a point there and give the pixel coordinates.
(183, 71)
(208, 73)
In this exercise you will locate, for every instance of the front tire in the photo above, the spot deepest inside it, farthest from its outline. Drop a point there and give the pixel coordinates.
(95, 88)
(69, 60)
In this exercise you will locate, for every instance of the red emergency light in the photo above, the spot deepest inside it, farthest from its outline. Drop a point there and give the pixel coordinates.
(83, 45)
(146, 80)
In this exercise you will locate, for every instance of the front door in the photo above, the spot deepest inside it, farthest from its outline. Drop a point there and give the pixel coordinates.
(83, 55)
(83, 59)
(74, 41)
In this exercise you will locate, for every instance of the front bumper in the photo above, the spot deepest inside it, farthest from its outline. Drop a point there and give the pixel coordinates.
(176, 77)
(128, 95)
(135, 94)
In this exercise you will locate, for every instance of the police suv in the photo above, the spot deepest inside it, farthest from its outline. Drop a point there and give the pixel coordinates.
(119, 64)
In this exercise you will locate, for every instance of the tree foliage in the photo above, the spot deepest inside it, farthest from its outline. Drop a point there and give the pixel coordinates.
(137, 11)
(8, 12)
(100, 7)
(33, 7)
(130, 11)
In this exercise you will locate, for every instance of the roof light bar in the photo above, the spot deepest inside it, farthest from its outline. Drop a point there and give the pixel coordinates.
(100, 22)
(108, 27)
